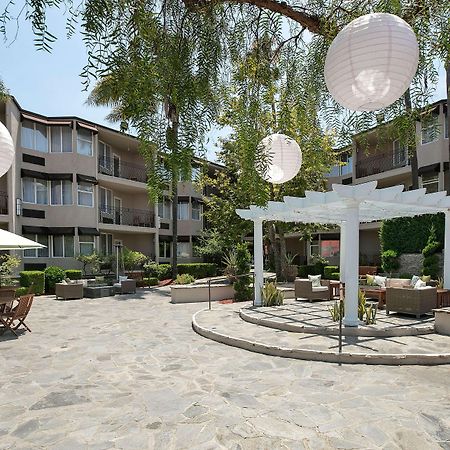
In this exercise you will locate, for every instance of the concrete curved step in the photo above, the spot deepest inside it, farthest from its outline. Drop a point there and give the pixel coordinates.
(224, 325)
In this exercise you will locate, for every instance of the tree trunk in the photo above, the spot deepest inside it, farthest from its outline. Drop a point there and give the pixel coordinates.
(447, 72)
(174, 222)
(412, 149)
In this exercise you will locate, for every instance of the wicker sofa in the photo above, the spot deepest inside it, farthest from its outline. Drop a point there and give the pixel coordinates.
(410, 301)
(305, 290)
(69, 291)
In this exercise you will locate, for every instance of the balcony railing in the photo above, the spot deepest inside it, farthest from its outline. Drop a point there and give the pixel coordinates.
(3, 203)
(381, 163)
(122, 169)
(127, 216)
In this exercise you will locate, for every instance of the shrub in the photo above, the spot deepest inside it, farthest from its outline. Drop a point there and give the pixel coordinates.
(7, 264)
(22, 291)
(243, 264)
(93, 260)
(132, 260)
(271, 296)
(152, 281)
(184, 278)
(303, 271)
(335, 276)
(311, 269)
(160, 271)
(35, 278)
(389, 261)
(73, 274)
(405, 275)
(328, 271)
(431, 259)
(198, 270)
(53, 275)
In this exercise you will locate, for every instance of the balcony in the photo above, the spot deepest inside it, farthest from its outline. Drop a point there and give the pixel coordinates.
(127, 216)
(380, 163)
(3, 203)
(121, 169)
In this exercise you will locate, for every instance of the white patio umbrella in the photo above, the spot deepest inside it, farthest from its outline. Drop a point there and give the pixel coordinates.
(11, 241)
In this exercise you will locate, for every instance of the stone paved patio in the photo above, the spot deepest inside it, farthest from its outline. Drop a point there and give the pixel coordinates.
(128, 372)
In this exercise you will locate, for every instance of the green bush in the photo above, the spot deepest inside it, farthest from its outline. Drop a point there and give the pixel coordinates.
(271, 296)
(328, 271)
(53, 275)
(159, 271)
(406, 276)
(198, 270)
(303, 271)
(243, 291)
(430, 258)
(152, 281)
(35, 278)
(73, 274)
(335, 276)
(22, 291)
(389, 261)
(311, 269)
(184, 278)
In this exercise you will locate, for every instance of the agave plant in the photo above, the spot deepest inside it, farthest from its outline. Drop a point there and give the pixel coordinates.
(290, 258)
(271, 296)
(230, 261)
(336, 311)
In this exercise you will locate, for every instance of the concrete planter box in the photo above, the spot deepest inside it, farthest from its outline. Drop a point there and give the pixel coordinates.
(195, 293)
(442, 321)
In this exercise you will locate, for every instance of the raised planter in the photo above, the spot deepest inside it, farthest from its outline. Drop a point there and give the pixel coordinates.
(195, 293)
(442, 321)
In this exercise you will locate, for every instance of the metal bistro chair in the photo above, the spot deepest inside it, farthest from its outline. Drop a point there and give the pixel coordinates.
(15, 317)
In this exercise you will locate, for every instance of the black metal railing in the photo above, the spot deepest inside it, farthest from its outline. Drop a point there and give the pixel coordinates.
(127, 216)
(122, 169)
(3, 203)
(380, 163)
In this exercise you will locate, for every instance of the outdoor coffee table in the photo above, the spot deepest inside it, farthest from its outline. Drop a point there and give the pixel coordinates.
(98, 291)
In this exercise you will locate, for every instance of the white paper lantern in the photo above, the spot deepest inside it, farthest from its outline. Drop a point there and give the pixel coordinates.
(371, 62)
(6, 150)
(284, 158)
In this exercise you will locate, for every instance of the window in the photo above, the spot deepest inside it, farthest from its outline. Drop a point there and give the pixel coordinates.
(196, 210)
(430, 183)
(165, 249)
(183, 210)
(183, 249)
(61, 139)
(314, 248)
(84, 142)
(195, 174)
(347, 168)
(106, 243)
(34, 136)
(87, 245)
(430, 131)
(106, 200)
(165, 209)
(329, 248)
(61, 192)
(37, 253)
(85, 194)
(34, 191)
(400, 154)
(63, 246)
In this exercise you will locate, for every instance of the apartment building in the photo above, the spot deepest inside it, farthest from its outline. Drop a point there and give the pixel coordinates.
(387, 162)
(78, 187)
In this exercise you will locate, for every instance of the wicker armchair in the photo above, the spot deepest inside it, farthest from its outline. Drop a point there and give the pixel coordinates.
(410, 301)
(125, 287)
(304, 289)
(69, 291)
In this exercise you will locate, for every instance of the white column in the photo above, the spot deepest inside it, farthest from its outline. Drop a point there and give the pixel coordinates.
(447, 250)
(351, 266)
(342, 253)
(259, 259)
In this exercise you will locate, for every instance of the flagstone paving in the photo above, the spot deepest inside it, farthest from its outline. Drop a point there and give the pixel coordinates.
(128, 372)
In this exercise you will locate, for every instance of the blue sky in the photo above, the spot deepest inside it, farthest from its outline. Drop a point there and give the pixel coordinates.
(49, 83)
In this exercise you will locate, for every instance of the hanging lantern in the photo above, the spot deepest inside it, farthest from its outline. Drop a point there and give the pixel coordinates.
(6, 150)
(284, 158)
(371, 62)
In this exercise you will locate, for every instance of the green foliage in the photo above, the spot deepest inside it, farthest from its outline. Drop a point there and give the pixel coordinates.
(431, 259)
(198, 270)
(53, 275)
(335, 276)
(7, 265)
(243, 265)
(230, 263)
(389, 261)
(73, 274)
(184, 278)
(303, 271)
(35, 278)
(22, 291)
(93, 261)
(329, 270)
(133, 260)
(311, 269)
(159, 271)
(271, 296)
(410, 234)
(361, 304)
(336, 311)
(212, 246)
(151, 281)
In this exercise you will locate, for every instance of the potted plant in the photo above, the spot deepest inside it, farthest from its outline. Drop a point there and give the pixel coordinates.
(291, 269)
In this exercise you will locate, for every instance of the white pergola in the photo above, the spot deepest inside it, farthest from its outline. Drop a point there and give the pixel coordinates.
(348, 206)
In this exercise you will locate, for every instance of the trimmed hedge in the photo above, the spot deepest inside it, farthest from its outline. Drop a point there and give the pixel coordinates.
(21, 291)
(198, 270)
(314, 269)
(335, 276)
(35, 277)
(152, 281)
(159, 271)
(74, 274)
(53, 275)
(410, 234)
(329, 270)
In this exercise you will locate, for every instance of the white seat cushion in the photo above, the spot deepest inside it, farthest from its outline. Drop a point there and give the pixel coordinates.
(320, 289)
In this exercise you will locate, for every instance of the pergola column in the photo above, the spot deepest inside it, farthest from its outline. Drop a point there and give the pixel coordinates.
(447, 250)
(342, 253)
(351, 266)
(259, 259)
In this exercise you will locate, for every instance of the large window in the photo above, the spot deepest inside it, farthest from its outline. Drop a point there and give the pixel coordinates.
(183, 249)
(37, 253)
(84, 142)
(87, 245)
(400, 154)
(106, 202)
(430, 129)
(63, 246)
(196, 210)
(183, 210)
(61, 139)
(34, 136)
(35, 191)
(430, 183)
(106, 244)
(104, 158)
(165, 249)
(61, 192)
(165, 209)
(85, 194)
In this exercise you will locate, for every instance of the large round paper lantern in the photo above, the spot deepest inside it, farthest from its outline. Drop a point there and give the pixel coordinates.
(6, 150)
(284, 158)
(371, 62)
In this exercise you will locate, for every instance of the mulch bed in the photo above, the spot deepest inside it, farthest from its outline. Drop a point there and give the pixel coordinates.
(165, 282)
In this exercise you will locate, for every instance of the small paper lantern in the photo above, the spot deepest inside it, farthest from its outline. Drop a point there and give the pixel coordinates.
(284, 158)
(6, 150)
(371, 62)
